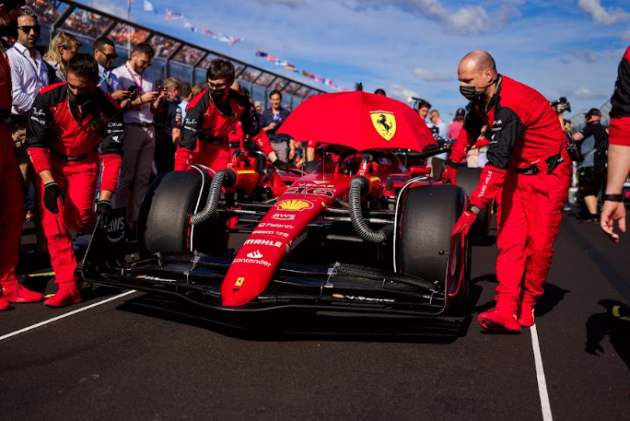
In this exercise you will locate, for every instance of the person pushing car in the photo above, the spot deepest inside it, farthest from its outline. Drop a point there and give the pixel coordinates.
(67, 126)
(529, 165)
(211, 116)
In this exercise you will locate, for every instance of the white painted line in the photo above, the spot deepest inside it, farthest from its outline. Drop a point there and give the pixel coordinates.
(54, 319)
(540, 375)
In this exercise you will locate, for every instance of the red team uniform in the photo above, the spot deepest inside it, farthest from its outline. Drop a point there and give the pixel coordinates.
(11, 206)
(74, 148)
(529, 165)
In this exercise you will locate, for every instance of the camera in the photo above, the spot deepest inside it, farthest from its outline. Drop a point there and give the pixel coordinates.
(561, 105)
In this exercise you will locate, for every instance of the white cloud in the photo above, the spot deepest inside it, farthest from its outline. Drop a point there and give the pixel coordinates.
(465, 20)
(585, 93)
(625, 36)
(429, 76)
(607, 16)
(401, 92)
(587, 56)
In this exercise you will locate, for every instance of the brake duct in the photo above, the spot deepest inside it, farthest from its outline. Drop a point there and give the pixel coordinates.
(230, 179)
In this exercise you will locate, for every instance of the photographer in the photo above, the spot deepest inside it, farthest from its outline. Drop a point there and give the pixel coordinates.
(593, 143)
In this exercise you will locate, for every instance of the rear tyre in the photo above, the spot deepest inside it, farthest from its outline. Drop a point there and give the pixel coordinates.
(468, 179)
(164, 223)
(426, 218)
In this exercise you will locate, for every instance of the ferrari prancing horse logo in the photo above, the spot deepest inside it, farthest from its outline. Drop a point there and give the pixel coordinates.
(385, 123)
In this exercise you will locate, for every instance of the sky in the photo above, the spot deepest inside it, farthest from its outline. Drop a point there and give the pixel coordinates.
(412, 47)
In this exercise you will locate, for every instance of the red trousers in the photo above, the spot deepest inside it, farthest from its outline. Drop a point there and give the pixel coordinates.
(531, 212)
(216, 157)
(77, 181)
(11, 210)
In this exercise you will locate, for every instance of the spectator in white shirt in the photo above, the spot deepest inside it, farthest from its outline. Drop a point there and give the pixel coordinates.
(29, 75)
(139, 146)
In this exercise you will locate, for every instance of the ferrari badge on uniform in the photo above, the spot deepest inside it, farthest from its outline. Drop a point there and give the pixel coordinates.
(385, 123)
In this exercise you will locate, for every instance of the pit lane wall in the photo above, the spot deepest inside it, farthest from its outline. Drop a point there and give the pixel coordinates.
(173, 57)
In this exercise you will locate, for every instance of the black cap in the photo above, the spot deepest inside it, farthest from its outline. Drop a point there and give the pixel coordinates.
(460, 112)
(593, 111)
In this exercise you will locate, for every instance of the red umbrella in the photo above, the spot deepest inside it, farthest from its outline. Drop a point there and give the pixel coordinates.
(359, 120)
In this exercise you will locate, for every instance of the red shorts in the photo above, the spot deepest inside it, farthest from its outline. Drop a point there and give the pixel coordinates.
(619, 132)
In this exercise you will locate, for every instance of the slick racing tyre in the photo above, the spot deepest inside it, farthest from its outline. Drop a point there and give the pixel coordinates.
(164, 223)
(468, 178)
(426, 218)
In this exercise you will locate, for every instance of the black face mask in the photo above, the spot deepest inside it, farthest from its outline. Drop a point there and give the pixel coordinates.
(80, 100)
(217, 94)
(471, 93)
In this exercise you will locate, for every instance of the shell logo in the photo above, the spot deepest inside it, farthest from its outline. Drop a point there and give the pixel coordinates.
(294, 205)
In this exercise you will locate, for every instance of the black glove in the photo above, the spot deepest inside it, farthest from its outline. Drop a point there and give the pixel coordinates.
(103, 208)
(281, 165)
(51, 193)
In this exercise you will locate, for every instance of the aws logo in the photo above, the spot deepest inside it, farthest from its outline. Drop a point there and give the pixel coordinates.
(294, 205)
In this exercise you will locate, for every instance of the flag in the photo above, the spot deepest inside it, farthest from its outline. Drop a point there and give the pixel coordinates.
(235, 40)
(261, 54)
(281, 62)
(329, 82)
(290, 67)
(173, 15)
(271, 58)
(318, 79)
(208, 32)
(305, 73)
(229, 39)
(148, 7)
(187, 24)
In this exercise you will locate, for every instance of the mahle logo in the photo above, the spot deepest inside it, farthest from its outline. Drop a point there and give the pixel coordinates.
(294, 205)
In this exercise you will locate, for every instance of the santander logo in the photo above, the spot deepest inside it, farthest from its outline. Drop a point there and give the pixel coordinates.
(255, 255)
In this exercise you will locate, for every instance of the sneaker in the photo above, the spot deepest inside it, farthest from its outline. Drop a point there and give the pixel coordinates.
(499, 321)
(29, 216)
(527, 316)
(567, 207)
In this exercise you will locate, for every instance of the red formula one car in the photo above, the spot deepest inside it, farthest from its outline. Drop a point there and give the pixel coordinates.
(359, 233)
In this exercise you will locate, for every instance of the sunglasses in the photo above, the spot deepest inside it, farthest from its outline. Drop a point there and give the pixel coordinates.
(218, 85)
(27, 28)
(113, 56)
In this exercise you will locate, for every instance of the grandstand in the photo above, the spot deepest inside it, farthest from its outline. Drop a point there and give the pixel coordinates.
(173, 56)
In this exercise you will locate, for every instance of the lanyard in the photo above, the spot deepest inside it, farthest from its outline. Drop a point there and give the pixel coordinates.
(134, 78)
(30, 60)
(108, 82)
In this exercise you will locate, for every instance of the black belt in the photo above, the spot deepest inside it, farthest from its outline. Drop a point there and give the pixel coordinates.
(551, 163)
(212, 140)
(19, 119)
(68, 157)
(145, 125)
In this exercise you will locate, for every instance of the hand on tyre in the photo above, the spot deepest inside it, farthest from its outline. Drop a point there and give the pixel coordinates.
(103, 208)
(281, 165)
(464, 223)
(52, 192)
(449, 175)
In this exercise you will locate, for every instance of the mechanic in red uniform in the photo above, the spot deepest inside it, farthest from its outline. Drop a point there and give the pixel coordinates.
(211, 116)
(11, 211)
(618, 152)
(67, 125)
(529, 163)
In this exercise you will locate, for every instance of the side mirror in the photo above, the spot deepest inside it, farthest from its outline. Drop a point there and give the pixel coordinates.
(420, 171)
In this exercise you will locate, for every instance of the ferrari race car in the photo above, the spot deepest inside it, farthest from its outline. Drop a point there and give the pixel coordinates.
(300, 235)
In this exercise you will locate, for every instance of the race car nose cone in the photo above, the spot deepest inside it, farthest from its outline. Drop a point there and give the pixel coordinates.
(236, 297)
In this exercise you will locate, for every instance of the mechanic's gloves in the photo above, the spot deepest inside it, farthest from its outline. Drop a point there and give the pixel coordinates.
(103, 208)
(449, 175)
(281, 165)
(464, 223)
(52, 192)
(183, 156)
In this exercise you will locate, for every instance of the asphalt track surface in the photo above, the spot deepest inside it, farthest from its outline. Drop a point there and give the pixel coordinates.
(138, 357)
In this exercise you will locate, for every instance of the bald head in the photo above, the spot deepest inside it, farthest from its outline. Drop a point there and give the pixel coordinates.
(479, 61)
(477, 73)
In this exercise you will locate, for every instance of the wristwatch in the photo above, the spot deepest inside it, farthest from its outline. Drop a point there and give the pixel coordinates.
(613, 197)
(474, 209)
